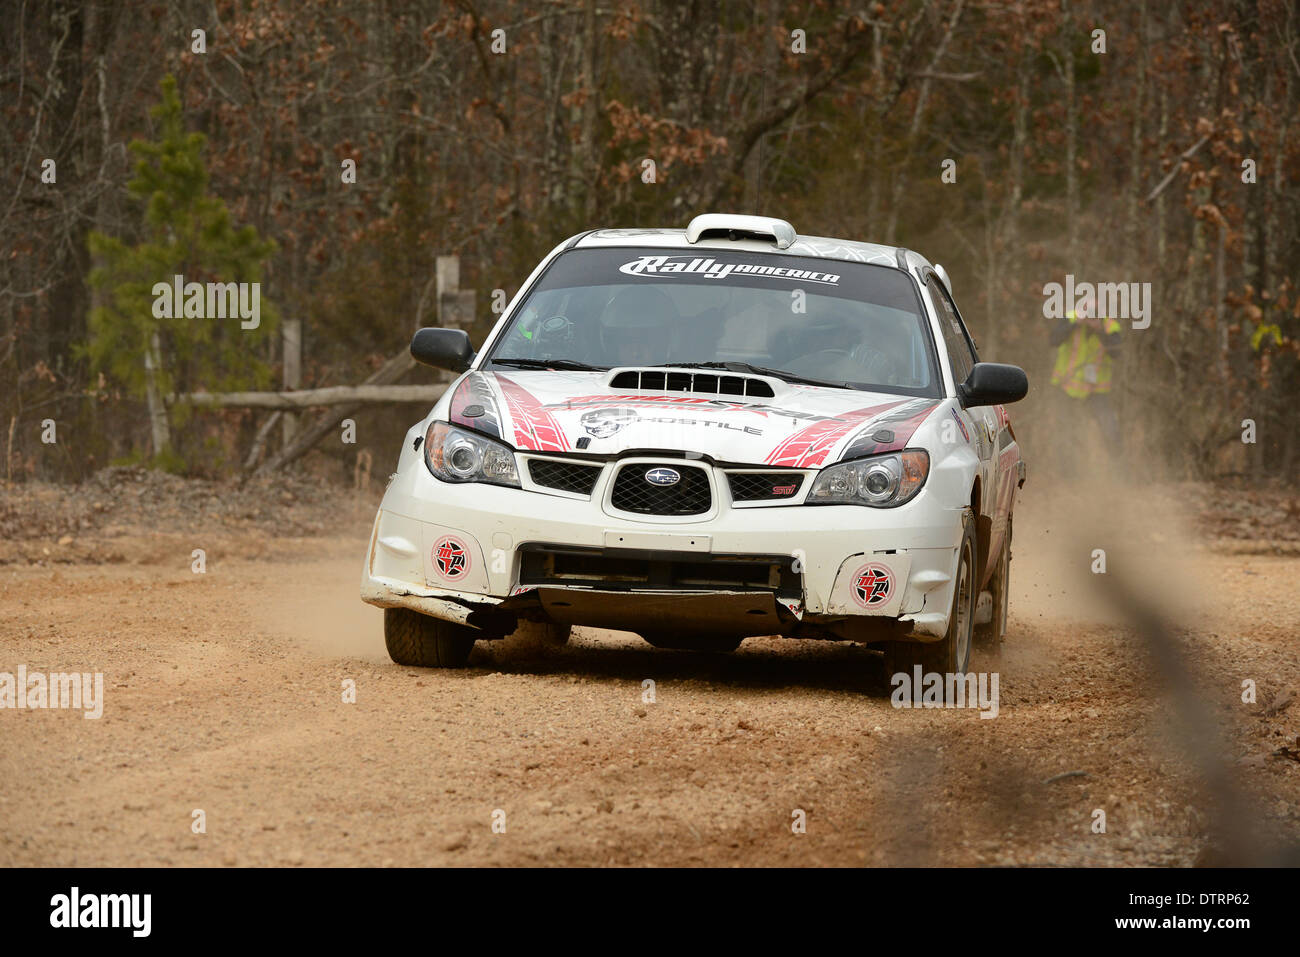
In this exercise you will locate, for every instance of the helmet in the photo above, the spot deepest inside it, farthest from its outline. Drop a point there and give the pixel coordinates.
(636, 326)
(886, 352)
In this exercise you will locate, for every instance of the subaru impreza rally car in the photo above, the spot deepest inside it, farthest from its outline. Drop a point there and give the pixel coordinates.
(701, 435)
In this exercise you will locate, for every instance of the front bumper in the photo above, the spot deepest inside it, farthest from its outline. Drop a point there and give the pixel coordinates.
(470, 554)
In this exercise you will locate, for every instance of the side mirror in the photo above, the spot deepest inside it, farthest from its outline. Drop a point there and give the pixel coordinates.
(442, 348)
(993, 383)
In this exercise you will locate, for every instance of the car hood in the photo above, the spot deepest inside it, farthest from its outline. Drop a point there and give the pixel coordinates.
(798, 426)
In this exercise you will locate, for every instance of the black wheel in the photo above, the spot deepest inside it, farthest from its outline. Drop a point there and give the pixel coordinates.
(415, 639)
(990, 634)
(951, 654)
(715, 643)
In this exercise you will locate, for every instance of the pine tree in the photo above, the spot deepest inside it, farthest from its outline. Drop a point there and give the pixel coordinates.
(188, 232)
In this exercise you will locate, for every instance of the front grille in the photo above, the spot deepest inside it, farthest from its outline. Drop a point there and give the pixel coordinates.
(688, 496)
(566, 476)
(632, 570)
(764, 486)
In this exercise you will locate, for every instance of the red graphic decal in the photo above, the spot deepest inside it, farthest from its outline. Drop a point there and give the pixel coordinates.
(902, 430)
(671, 402)
(961, 425)
(643, 399)
(872, 585)
(474, 391)
(451, 558)
(810, 445)
(459, 400)
(783, 489)
(535, 428)
(667, 401)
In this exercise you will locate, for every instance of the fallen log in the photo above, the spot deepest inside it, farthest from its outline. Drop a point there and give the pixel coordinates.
(259, 440)
(328, 421)
(309, 398)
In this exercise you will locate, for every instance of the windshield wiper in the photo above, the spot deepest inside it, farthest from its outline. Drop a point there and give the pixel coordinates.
(570, 364)
(757, 370)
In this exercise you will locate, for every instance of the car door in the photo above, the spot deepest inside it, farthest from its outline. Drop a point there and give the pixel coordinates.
(988, 427)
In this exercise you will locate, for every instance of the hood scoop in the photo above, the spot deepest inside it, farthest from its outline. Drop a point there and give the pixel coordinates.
(691, 380)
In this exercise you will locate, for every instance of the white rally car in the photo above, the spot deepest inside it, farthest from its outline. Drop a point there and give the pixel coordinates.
(703, 435)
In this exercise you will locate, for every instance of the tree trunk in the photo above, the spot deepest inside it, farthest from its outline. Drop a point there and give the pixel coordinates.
(1135, 139)
(1071, 140)
(918, 114)
(291, 329)
(159, 429)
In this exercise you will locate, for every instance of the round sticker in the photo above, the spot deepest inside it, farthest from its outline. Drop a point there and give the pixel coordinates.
(873, 583)
(451, 558)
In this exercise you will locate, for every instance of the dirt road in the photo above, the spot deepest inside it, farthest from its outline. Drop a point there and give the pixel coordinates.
(224, 693)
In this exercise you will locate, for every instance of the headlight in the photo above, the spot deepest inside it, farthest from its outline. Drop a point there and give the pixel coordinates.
(882, 481)
(455, 455)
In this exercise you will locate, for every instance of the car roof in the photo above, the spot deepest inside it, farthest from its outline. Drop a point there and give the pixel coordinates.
(817, 247)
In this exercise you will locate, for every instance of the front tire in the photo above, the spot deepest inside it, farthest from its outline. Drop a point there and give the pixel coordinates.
(423, 642)
(951, 654)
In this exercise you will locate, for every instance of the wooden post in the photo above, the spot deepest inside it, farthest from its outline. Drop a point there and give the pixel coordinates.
(455, 308)
(455, 305)
(291, 330)
(159, 427)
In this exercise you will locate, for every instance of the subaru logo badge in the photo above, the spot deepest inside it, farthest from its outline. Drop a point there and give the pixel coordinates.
(663, 476)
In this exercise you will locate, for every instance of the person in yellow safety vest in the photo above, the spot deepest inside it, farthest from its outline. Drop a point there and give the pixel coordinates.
(1085, 349)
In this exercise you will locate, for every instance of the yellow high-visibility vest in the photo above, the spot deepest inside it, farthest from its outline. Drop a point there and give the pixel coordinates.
(1083, 367)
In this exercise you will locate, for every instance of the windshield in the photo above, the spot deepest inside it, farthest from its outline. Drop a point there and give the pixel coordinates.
(819, 320)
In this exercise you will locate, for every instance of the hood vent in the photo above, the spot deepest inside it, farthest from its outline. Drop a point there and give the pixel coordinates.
(710, 383)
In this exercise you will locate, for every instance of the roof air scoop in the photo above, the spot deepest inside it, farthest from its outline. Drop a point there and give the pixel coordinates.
(735, 226)
(943, 277)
